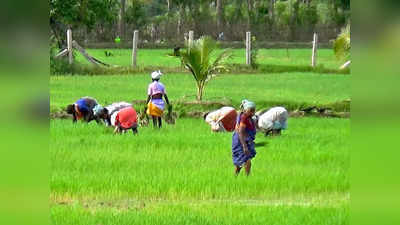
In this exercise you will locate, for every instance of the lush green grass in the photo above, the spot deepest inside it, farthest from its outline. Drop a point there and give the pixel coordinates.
(183, 174)
(158, 57)
(290, 89)
(201, 214)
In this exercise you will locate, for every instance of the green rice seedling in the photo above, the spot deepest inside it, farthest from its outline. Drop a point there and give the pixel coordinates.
(183, 174)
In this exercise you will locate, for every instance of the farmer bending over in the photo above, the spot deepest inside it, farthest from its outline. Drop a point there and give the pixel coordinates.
(83, 109)
(221, 120)
(125, 119)
(273, 121)
(108, 113)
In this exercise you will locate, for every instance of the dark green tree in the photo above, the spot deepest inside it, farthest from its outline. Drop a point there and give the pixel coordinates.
(76, 13)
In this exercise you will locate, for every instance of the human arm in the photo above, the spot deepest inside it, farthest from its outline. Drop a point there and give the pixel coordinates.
(149, 94)
(147, 102)
(117, 125)
(116, 130)
(268, 132)
(98, 120)
(108, 121)
(166, 98)
(148, 99)
(74, 117)
(88, 116)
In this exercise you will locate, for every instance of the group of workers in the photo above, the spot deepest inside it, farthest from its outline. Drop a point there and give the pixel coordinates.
(270, 121)
(122, 115)
(244, 124)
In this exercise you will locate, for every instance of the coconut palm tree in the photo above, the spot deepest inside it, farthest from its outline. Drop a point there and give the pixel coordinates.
(200, 60)
(342, 44)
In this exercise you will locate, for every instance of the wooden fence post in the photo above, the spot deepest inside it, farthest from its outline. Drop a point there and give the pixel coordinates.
(191, 34)
(248, 48)
(134, 48)
(69, 46)
(314, 51)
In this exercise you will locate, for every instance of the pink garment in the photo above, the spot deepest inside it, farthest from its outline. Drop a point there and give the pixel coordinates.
(156, 88)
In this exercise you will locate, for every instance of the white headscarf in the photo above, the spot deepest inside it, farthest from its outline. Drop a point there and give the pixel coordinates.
(156, 75)
(246, 104)
(249, 105)
(97, 109)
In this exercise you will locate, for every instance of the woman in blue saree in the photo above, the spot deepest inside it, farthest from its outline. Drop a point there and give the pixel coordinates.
(243, 149)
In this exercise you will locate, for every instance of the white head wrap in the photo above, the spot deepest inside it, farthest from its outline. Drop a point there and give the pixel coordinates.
(156, 75)
(246, 104)
(97, 109)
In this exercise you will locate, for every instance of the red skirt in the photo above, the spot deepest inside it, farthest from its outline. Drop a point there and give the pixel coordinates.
(126, 117)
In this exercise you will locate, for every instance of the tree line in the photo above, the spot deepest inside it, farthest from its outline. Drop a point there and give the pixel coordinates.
(169, 20)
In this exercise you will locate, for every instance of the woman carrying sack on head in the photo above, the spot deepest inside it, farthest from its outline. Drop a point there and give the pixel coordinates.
(155, 104)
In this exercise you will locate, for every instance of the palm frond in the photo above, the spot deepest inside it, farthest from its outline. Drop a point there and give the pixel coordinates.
(342, 44)
(198, 60)
(220, 63)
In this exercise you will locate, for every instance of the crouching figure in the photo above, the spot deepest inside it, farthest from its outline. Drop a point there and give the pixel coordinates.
(272, 121)
(121, 115)
(83, 109)
(222, 120)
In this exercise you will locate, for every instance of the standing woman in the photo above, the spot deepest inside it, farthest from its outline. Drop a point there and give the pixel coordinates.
(243, 149)
(155, 103)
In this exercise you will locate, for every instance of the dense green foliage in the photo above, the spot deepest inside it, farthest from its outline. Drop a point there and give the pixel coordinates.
(342, 45)
(58, 66)
(169, 19)
(75, 13)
